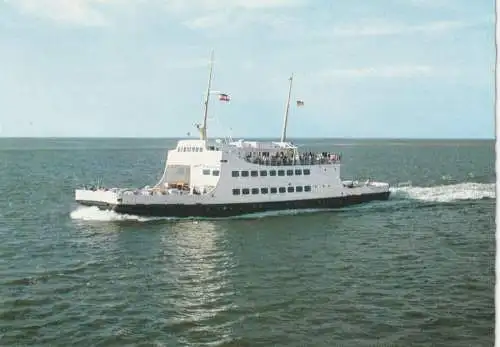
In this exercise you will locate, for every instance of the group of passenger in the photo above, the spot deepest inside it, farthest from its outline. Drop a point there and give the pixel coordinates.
(291, 158)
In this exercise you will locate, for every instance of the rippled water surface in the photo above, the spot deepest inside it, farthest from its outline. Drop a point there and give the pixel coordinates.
(417, 270)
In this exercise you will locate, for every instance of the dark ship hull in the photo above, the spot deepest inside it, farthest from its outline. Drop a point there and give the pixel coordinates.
(236, 209)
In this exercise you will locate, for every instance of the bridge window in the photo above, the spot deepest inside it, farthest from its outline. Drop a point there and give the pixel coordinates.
(215, 173)
(307, 172)
(298, 189)
(274, 190)
(245, 191)
(236, 192)
(298, 172)
(290, 189)
(281, 172)
(272, 173)
(264, 190)
(254, 173)
(255, 191)
(236, 174)
(282, 189)
(206, 172)
(307, 188)
(263, 173)
(244, 173)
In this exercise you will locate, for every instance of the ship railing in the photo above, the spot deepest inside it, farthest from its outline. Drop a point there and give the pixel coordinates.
(283, 161)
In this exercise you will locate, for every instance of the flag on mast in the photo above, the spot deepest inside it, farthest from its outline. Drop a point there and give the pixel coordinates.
(224, 97)
(300, 103)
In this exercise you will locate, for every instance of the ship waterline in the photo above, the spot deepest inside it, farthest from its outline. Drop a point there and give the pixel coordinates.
(234, 209)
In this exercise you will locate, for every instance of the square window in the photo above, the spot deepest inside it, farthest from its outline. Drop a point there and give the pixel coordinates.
(245, 191)
(244, 173)
(274, 190)
(307, 172)
(298, 189)
(236, 174)
(255, 191)
(307, 188)
(272, 173)
(215, 173)
(254, 173)
(263, 173)
(290, 189)
(236, 192)
(282, 190)
(206, 172)
(289, 172)
(281, 173)
(298, 172)
(264, 190)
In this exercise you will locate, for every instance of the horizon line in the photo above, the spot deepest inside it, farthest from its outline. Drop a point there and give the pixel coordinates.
(248, 138)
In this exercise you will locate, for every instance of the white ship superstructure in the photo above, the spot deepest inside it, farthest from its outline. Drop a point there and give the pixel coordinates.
(220, 178)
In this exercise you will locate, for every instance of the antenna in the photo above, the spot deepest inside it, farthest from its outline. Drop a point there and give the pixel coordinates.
(203, 128)
(285, 121)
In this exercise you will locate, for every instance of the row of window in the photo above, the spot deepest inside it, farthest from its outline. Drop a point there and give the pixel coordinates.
(190, 149)
(196, 149)
(206, 172)
(255, 173)
(273, 190)
(262, 173)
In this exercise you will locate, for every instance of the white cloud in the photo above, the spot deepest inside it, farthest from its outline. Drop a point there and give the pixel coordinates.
(225, 5)
(431, 3)
(384, 72)
(196, 14)
(229, 16)
(82, 12)
(386, 29)
(207, 21)
(230, 22)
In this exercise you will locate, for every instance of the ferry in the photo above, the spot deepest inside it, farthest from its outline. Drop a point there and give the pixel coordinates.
(223, 178)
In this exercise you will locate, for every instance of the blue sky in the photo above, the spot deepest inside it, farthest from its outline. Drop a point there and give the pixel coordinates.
(380, 68)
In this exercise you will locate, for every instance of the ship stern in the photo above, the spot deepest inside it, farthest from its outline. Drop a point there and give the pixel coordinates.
(103, 199)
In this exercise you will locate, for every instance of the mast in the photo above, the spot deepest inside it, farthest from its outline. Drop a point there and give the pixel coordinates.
(203, 129)
(285, 121)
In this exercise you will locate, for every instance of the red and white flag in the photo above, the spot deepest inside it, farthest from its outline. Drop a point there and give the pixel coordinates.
(224, 97)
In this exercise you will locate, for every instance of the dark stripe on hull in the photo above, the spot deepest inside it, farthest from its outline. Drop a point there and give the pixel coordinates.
(229, 210)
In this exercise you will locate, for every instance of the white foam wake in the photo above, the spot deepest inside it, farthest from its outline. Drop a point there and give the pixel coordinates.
(446, 193)
(92, 213)
(87, 213)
